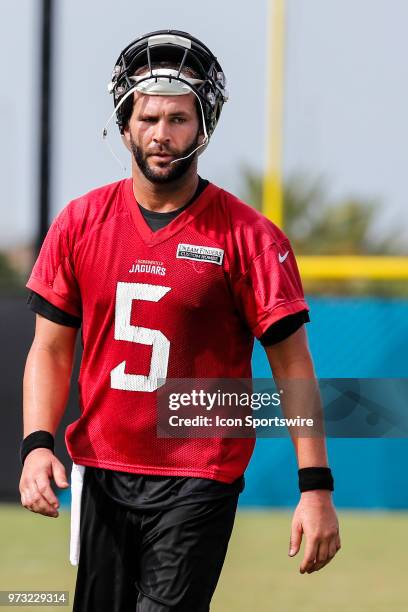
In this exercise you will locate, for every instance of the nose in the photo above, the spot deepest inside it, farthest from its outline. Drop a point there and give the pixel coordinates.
(161, 133)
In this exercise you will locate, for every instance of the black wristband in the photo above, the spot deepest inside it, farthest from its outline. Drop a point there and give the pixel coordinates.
(312, 478)
(37, 439)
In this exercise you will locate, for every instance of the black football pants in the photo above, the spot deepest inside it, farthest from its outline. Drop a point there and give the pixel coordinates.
(148, 560)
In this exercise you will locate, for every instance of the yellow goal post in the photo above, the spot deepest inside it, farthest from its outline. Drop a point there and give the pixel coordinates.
(311, 266)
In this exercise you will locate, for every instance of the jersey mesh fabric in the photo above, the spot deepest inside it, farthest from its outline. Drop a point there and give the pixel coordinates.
(146, 312)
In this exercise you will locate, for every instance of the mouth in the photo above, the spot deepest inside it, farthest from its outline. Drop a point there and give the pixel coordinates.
(162, 157)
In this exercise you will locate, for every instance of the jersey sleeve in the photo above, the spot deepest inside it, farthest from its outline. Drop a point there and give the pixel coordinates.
(53, 276)
(271, 288)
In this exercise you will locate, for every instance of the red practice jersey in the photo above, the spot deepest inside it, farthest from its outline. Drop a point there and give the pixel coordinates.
(183, 302)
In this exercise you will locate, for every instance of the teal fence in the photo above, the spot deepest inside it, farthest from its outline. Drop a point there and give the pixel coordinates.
(349, 338)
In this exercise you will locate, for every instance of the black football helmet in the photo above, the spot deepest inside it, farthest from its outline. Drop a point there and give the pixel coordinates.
(181, 50)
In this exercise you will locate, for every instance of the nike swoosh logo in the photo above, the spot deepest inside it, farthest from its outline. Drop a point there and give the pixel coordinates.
(283, 257)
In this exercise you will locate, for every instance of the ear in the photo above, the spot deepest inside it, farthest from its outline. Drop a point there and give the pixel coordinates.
(126, 137)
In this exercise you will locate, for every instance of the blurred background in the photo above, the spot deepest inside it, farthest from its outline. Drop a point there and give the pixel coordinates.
(314, 136)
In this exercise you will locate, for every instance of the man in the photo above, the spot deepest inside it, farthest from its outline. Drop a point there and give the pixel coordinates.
(170, 277)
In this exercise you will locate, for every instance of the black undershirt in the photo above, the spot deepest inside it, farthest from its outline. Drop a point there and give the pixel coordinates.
(157, 220)
(141, 491)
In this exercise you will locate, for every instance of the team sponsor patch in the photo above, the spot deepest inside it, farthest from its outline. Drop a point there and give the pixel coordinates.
(200, 253)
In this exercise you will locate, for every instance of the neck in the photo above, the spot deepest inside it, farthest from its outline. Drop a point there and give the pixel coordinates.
(164, 197)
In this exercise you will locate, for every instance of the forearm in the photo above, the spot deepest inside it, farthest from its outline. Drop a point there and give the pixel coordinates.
(301, 398)
(310, 452)
(45, 388)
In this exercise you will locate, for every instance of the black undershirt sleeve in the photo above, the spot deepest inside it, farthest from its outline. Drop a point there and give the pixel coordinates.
(284, 328)
(43, 307)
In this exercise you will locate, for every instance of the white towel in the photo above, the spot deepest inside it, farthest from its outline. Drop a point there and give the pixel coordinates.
(77, 479)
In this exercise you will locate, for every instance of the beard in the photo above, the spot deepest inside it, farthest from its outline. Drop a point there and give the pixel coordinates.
(174, 171)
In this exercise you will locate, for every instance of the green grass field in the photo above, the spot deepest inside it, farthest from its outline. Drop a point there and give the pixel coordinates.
(369, 573)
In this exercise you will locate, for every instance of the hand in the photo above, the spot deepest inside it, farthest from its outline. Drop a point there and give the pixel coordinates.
(315, 517)
(37, 495)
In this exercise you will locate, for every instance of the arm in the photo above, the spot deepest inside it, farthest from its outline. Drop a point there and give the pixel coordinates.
(45, 393)
(315, 515)
(290, 359)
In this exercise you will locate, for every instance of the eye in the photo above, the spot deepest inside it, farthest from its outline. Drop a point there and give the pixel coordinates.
(179, 120)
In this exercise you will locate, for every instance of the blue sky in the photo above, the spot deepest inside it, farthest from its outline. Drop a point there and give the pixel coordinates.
(346, 94)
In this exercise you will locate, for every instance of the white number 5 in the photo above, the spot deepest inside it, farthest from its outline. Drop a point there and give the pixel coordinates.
(125, 294)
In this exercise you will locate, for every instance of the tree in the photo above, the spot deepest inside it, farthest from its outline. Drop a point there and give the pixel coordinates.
(316, 226)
